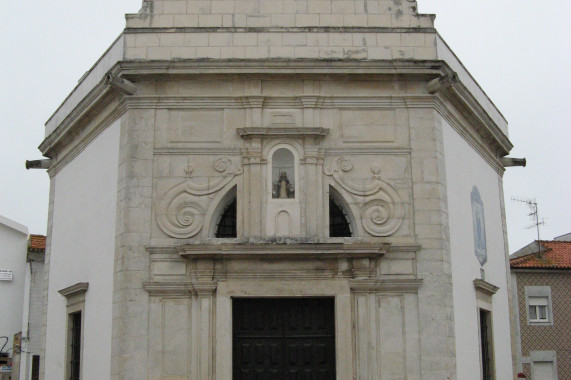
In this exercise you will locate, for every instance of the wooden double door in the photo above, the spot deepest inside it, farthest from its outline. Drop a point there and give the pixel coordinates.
(283, 339)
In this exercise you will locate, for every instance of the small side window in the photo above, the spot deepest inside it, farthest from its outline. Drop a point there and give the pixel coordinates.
(538, 309)
(74, 345)
(486, 348)
(75, 297)
(538, 299)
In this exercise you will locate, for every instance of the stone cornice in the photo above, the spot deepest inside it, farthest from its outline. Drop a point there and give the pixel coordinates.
(196, 151)
(484, 136)
(134, 68)
(85, 139)
(386, 286)
(470, 136)
(281, 251)
(97, 95)
(480, 119)
(485, 287)
(202, 246)
(169, 288)
(74, 290)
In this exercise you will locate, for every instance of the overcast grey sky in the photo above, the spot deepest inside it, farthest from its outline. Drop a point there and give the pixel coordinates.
(518, 51)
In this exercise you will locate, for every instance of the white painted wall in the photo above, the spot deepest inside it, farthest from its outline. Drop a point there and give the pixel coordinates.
(13, 248)
(465, 169)
(82, 250)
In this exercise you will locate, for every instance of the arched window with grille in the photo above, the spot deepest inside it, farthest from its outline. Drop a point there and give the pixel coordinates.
(226, 227)
(338, 223)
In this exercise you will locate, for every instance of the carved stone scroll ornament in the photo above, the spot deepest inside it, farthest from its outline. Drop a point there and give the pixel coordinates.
(383, 214)
(343, 165)
(180, 214)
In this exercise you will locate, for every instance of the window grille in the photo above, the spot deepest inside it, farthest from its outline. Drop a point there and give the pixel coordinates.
(75, 346)
(338, 224)
(485, 345)
(227, 225)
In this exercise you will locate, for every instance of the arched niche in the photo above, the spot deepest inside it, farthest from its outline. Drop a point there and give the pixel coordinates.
(225, 209)
(283, 173)
(339, 212)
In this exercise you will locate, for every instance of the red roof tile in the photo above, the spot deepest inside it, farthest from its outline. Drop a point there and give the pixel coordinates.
(554, 255)
(37, 242)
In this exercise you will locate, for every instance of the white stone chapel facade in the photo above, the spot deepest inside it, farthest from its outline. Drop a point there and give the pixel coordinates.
(279, 189)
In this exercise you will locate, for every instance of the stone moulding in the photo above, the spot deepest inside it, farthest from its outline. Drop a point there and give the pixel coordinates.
(180, 214)
(282, 251)
(135, 70)
(280, 132)
(168, 288)
(74, 290)
(386, 286)
(485, 287)
(208, 263)
(383, 214)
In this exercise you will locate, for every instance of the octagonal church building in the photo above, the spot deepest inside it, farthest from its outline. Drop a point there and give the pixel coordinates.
(277, 189)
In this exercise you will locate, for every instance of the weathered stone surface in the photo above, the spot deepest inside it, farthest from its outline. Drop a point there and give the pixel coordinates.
(221, 86)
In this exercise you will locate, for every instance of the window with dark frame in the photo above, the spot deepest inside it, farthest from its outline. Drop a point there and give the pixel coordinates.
(338, 224)
(485, 342)
(75, 345)
(227, 225)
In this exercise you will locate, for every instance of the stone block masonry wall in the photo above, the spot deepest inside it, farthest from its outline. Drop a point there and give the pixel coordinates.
(277, 29)
(279, 13)
(302, 44)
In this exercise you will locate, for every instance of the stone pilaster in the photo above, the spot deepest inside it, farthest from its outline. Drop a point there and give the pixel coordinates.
(130, 301)
(434, 260)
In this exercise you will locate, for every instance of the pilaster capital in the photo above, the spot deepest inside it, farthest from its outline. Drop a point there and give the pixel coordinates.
(309, 101)
(205, 288)
(253, 101)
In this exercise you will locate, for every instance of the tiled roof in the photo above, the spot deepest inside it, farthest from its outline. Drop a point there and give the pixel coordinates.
(554, 255)
(37, 243)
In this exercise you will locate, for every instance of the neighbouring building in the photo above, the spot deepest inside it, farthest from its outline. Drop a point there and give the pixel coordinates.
(541, 285)
(277, 188)
(29, 354)
(13, 241)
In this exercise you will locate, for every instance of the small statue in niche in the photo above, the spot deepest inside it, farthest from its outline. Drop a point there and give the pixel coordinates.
(283, 189)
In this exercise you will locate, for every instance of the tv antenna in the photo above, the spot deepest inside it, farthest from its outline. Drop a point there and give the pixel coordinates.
(534, 215)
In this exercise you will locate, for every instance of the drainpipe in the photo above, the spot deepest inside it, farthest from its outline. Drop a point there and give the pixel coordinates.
(122, 85)
(39, 164)
(509, 161)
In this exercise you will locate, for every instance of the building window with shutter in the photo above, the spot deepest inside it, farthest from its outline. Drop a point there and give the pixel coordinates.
(538, 299)
(538, 309)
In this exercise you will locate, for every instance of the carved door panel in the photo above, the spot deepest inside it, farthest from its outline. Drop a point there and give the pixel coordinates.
(283, 339)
